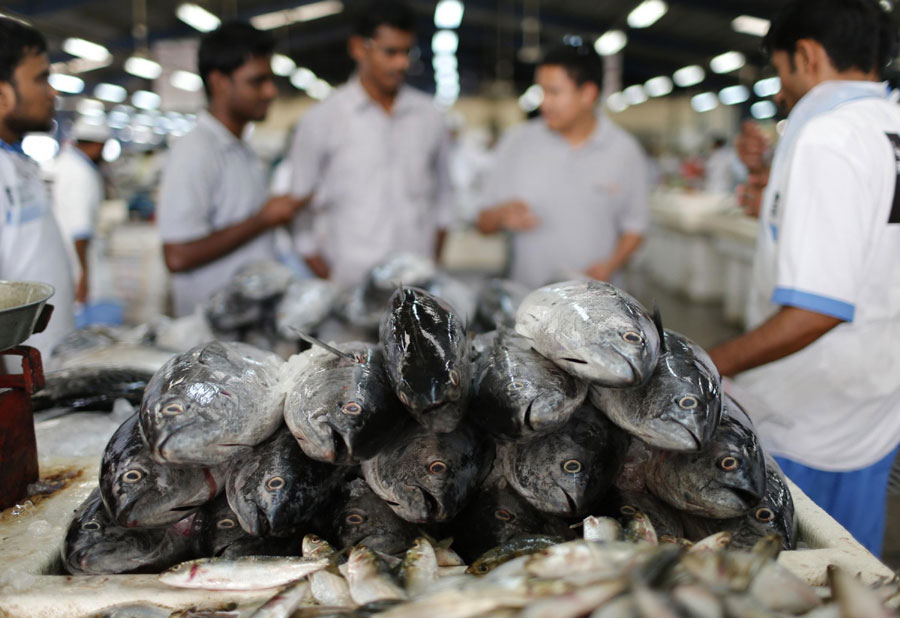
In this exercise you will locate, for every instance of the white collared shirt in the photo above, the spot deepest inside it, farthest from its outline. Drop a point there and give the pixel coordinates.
(77, 193)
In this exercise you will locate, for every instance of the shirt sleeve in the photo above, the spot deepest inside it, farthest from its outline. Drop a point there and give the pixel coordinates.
(76, 197)
(822, 231)
(634, 216)
(184, 211)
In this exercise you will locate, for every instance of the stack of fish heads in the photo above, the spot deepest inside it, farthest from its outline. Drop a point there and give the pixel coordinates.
(211, 403)
(773, 514)
(305, 305)
(563, 473)
(593, 330)
(275, 489)
(426, 477)
(726, 479)
(91, 388)
(426, 354)
(223, 536)
(518, 394)
(678, 408)
(366, 519)
(341, 409)
(498, 302)
(624, 505)
(139, 492)
(95, 545)
(496, 514)
(227, 310)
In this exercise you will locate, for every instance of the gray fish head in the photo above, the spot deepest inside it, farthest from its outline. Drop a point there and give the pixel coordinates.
(366, 519)
(736, 467)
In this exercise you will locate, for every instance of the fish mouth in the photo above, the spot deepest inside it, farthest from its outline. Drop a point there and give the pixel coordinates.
(432, 506)
(675, 435)
(159, 447)
(526, 419)
(570, 503)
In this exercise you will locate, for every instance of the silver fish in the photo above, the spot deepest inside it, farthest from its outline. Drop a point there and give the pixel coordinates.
(249, 573)
(498, 301)
(304, 306)
(368, 578)
(262, 279)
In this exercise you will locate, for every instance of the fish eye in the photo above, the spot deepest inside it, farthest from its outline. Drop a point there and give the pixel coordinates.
(275, 483)
(572, 466)
(403, 398)
(226, 524)
(632, 337)
(516, 385)
(454, 377)
(482, 568)
(91, 525)
(628, 510)
(729, 463)
(351, 408)
(765, 514)
(438, 467)
(688, 402)
(173, 409)
(504, 515)
(354, 519)
(132, 476)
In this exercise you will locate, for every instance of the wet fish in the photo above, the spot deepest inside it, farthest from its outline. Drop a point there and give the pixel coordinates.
(223, 536)
(261, 280)
(369, 579)
(285, 601)
(516, 547)
(275, 489)
(426, 358)
(128, 356)
(564, 472)
(420, 567)
(498, 301)
(304, 306)
(665, 520)
(227, 310)
(726, 479)
(90, 388)
(341, 410)
(95, 545)
(678, 408)
(249, 573)
(365, 519)
(519, 394)
(427, 477)
(212, 403)
(593, 330)
(461, 297)
(139, 492)
(602, 529)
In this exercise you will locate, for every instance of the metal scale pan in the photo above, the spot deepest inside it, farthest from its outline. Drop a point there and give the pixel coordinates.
(23, 310)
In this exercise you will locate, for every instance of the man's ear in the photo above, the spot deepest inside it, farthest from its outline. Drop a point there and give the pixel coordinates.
(808, 55)
(7, 98)
(218, 82)
(590, 92)
(356, 47)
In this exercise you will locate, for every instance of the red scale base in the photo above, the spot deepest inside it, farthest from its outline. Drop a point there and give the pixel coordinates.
(18, 447)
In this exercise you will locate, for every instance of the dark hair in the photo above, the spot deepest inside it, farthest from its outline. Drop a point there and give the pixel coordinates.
(394, 13)
(229, 46)
(856, 34)
(17, 40)
(581, 63)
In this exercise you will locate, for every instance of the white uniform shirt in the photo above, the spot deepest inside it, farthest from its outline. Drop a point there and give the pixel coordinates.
(31, 246)
(381, 181)
(212, 180)
(77, 194)
(830, 243)
(585, 197)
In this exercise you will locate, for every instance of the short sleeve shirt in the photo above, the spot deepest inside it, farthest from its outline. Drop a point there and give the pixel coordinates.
(77, 194)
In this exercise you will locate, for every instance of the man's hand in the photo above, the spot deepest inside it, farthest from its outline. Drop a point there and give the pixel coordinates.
(751, 145)
(515, 216)
(601, 271)
(281, 209)
(318, 265)
(750, 194)
(81, 290)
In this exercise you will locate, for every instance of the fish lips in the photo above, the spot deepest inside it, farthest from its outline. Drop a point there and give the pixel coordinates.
(611, 366)
(440, 418)
(547, 412)
(672, 434)
(145, 512)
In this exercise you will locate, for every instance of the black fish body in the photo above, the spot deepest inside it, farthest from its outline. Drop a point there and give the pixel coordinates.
(90, 388)
(223, 536)
(366, 519)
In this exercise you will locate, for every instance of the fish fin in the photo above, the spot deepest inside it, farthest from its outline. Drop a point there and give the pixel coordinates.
(318, 342)
(657, 319)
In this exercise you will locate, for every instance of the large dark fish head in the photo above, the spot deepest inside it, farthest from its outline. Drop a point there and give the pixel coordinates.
(775, 513)
(365, 519)
(427, 477)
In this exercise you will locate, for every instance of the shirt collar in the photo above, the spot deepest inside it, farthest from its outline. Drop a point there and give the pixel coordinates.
(598, 138)
(359, 98)
(219, 130)
(17, 147)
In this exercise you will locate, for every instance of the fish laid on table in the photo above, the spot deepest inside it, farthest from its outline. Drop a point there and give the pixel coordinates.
(665, 520)
(223, 536)
(498, 302)
(565, 472)
(426, 355)
(212, 403)
(275, 489)
(95, 545)
(133, 357)
(304, 306)
(419, 569)
(366, 519)
(90, 388)
(341, 408)
(328, 587)
(516, 547)
(427, 477)
(139, 492)
(517, 393)
(593, 330)
(248, 573)
(227, 311)
(262, 279)
(678, 408)
(369, 578)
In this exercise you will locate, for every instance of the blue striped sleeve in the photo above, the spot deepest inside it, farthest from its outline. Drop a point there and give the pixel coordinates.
(813, 302)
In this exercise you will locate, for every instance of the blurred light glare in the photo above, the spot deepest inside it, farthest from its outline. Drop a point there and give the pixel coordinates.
(143, 67)
(762, 110)
(90, 107)
(68, 84)
(705, 102)
(117, 119)
(647, 13)
(185, 80)
(754, 26)
(303, 78)
(689, 76)
(727, 62)
(767, 87)
(532, 98)
(282, 65)
(448, 14)
(86, 49)
(780, 126)
(635, 95)
(732, 95)
(144, 99)
(40, 147)
(197, 17)
(444, 42)
(611, 43)
(319, 89)
(445, 63)
(112, 149)
(306, 12)
(616, 102)
(658, 86)
(110, 93)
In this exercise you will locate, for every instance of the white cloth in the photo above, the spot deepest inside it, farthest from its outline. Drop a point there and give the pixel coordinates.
(720, 170)
(829, 242)
(212, 180)
(381, 180)
(31, 246)
(77, 194)
(585, 197)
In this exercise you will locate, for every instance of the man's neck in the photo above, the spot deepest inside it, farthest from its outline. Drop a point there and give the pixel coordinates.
(581, 130)
(385, 100)
(234, 125)
(9, 136)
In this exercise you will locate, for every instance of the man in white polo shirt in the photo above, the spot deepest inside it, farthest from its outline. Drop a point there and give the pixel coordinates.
(571, 186)
(822, 351)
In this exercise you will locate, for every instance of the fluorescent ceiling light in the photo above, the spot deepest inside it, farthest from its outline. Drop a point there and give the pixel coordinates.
(754, 26)
(197, 17)
(144, 99)
(110, 93)
(307, 12)
(635, 95)
(68, 84)
(143, 67)
(90, 107)
(86, 49)
(689, 76)
(732, 95)
(117, 119)
(767, 87)
(282, 65)
(303, 78)
(532, 98)
(447, 90)
(40, 147)
(444, 42)
(112, 149)
(185, 80)
(448, 14)
(727, 62)
(763, 109)
(658, 86)
(450, 78)
(616, 102)
(319, 89)
(610, 43)
(444, 63)
(705, 102)
(647, 13)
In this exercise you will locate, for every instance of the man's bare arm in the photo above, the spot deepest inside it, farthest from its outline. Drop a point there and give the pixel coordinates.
(81, 286)
(627, 245)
